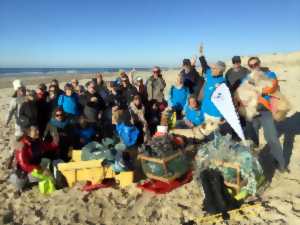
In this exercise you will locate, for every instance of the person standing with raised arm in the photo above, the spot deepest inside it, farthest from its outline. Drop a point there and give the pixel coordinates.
(213, 76)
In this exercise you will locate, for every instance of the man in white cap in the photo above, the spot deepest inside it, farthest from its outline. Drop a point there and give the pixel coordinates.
(15, 104)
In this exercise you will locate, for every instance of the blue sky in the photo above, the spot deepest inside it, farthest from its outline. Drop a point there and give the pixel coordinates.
(142, 33)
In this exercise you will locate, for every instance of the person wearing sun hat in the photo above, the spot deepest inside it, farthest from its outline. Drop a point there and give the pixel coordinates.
(16, 102)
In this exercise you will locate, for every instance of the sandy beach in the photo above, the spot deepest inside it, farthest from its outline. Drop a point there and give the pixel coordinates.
(131, 206)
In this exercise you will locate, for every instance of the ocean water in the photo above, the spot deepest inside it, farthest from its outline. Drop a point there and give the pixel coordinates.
(56, 71)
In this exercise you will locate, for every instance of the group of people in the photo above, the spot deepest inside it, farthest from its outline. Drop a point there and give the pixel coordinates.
(50, 120)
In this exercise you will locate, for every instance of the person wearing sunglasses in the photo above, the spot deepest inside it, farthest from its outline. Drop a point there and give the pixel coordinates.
(155, 87)
(60, 130)
(265, 118)
(235, 74)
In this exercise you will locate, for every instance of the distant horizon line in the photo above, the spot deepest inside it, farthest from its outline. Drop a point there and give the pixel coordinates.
(144, 66)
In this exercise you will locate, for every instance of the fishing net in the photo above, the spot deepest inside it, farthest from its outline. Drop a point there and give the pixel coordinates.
(225, 150)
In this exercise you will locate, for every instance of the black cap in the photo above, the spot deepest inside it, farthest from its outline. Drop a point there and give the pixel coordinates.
(186, 62)
(236, 59)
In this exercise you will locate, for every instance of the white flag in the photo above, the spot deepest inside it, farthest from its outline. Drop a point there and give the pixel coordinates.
(223, 101)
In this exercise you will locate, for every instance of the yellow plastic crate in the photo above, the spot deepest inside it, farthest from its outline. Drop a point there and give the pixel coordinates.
(92, 170)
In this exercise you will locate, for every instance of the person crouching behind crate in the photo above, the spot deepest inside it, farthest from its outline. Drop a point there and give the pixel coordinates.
(28, 155)
(59, 127)
(84, 133)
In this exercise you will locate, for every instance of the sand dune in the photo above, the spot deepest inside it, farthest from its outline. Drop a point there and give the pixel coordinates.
(131, 206)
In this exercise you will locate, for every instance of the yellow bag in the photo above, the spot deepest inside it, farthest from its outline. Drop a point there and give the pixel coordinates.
(46, 183)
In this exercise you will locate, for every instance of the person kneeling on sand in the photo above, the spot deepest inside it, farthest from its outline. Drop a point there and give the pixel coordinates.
(84, 133)
(192, 114)
(28, 155)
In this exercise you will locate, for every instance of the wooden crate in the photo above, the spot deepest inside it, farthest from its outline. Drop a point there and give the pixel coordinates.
(163, 162)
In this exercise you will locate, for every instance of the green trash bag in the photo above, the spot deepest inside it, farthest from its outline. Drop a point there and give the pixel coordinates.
(95, 150)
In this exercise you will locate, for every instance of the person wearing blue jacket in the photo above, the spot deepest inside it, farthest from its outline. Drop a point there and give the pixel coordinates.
(69, 101)
(178, 96)
(193, 116)
(213, 76)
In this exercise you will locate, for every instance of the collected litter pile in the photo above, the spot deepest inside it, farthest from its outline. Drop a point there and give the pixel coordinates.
(163, 161)
(241, 170)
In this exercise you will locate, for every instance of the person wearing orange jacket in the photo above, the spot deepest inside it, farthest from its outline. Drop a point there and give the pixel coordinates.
(265, 118)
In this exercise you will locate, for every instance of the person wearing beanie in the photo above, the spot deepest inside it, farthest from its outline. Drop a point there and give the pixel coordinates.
(16, 102)
(213, 76)
(235, 74)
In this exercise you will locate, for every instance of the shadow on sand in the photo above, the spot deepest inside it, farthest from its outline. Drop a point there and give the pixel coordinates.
(289, 128)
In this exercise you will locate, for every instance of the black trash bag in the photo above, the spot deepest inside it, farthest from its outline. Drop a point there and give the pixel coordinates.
(217, 198)
(59, 179)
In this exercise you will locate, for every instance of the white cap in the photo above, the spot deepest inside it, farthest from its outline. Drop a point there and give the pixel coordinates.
(17, 84)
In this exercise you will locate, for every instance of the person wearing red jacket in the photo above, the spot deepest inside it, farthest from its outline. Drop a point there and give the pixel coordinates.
(32, 149)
